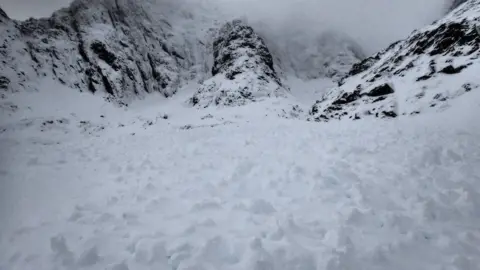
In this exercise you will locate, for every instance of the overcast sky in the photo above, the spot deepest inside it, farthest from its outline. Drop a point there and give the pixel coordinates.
(373, 23)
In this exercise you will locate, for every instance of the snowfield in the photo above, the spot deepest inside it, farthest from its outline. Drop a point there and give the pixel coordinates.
(161, 185)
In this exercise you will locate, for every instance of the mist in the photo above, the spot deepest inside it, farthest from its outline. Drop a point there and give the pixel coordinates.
(374, 24)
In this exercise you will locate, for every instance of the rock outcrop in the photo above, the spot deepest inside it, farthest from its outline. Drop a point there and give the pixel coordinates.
(426, 71)
(242, 71)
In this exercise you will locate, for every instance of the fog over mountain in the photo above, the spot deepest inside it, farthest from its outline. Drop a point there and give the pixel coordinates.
(372, 23)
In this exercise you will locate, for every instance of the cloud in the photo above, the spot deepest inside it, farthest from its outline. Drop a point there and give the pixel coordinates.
(373, 23)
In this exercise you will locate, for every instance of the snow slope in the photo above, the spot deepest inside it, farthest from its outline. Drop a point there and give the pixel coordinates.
(426, 72)
(160, 185)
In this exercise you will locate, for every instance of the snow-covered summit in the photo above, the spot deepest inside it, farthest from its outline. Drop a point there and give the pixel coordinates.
(427, 71)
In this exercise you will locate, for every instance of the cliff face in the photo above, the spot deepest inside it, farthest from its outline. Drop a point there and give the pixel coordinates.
(119, 47)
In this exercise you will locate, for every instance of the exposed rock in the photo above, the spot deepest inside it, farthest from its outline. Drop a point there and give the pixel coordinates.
(453, 70)
(4, 82)
(100, 49)
(384, 89)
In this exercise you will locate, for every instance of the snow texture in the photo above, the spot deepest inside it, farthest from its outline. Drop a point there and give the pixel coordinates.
(158, 185)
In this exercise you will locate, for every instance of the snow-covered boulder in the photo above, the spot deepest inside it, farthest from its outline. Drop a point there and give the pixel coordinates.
(426, 71)
(242, 71)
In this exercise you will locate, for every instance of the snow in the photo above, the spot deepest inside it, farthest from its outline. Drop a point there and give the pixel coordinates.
(234, 188)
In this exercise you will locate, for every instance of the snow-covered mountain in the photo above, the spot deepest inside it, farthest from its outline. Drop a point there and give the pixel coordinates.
(127, 48)
(124, 48)
(427, 71)
(242, 71)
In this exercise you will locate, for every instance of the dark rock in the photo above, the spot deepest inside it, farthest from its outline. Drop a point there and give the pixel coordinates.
(467, 87)
(379, 99)
(347, 98)
(440, 97)
(101, 50)
(384, 89)
(423, 78)
(391, 114)
(444, 39)
(453, 70)
(4, 82)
